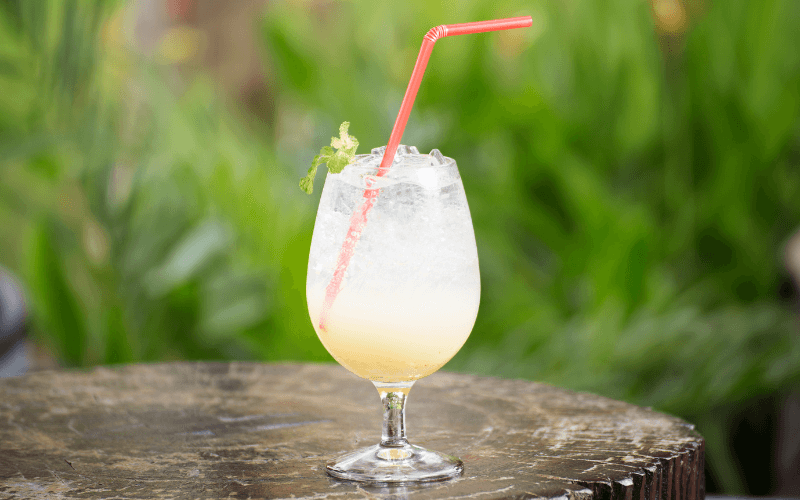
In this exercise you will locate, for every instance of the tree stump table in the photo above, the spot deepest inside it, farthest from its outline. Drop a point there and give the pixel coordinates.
(248, 430)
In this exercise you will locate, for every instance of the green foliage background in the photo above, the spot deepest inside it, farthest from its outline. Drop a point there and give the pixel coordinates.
(631, 190)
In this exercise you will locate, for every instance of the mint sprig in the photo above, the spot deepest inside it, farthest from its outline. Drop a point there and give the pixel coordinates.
(345, 146)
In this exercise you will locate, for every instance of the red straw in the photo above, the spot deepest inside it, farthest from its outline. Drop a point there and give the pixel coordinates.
(359, 218)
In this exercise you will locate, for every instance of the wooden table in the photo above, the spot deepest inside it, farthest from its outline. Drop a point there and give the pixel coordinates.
(248, 430)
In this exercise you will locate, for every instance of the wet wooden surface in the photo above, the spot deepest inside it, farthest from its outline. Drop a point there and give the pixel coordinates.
(247, 430)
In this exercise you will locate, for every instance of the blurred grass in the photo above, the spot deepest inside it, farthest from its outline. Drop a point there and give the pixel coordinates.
(631, 181)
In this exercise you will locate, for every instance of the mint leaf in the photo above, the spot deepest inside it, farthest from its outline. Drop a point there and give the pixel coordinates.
(345, 146)
(345, 141)
(307, 182)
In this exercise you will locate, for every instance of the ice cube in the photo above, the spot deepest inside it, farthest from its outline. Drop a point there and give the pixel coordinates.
(427, 178)
(345, 201)
(438, 157)
(402, 150)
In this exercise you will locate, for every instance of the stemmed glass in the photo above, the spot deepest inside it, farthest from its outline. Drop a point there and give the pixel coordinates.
(408, 298)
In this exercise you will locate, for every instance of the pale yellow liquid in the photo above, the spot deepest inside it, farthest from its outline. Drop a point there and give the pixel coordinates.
(398, 336)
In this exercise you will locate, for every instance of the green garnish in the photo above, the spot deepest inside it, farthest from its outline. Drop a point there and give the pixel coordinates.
(345, 146)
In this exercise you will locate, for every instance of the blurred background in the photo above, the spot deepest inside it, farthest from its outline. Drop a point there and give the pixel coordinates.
(632, 167)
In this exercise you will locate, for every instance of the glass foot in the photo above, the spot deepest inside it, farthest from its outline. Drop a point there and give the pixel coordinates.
(404, 464)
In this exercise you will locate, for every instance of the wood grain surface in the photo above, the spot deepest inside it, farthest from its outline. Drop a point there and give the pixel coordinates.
(248, 430)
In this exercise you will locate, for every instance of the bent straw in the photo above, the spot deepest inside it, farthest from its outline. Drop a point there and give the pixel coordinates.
(359, 218)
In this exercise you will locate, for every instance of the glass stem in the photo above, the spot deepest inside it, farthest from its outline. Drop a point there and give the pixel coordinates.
(393, 397)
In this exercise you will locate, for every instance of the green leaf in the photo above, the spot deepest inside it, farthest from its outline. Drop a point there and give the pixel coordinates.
(345, 142)
(324, 153)
(345, 146)
(57, 306)
(207, 240)
(338, 162)
(307, 182)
